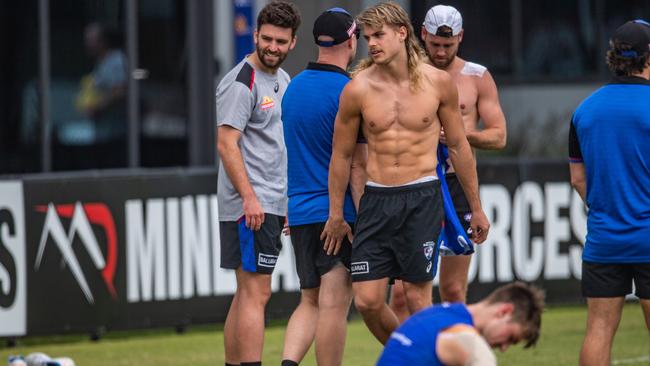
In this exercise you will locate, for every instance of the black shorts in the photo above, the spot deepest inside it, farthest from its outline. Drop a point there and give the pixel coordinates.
(615, 279)
(311, 259)
(396, 233)
(255, 251)
(457, 194)
(461, 205)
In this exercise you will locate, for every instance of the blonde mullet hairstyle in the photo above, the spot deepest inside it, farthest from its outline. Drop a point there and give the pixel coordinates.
(390, 13)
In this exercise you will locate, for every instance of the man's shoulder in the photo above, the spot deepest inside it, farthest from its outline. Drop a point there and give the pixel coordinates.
(322, 74)
(363, 75)
(242, 74)
(358, 84)
(434, 75)
(473, 69)
(429, 69)
(598, 99)
(283, 75)
(451, 309)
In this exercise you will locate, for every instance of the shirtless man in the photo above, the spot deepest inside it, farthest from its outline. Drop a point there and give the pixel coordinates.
(400, 103)
(478, 99)
(442, 33)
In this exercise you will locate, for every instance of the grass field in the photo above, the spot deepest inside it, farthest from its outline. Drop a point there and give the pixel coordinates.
(562, 333)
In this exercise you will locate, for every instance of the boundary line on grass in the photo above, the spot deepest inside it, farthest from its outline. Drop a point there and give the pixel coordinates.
(631, 360)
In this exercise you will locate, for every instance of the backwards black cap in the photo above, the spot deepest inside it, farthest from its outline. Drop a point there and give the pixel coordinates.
(635, 33)
(337, 24)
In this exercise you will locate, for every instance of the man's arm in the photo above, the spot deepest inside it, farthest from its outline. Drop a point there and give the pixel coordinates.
(493, 134)
(230, 154)
(358, 175)
(461, 155)
(578, 180)
(576, 164)
(463, 348)
(346, 130)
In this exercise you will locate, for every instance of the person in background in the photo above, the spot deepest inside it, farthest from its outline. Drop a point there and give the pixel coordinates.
(252, 180)
(609, 155)
(309, 108)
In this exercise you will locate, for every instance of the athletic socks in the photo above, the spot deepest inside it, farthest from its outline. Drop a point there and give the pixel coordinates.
(284, 363)
(231, 364)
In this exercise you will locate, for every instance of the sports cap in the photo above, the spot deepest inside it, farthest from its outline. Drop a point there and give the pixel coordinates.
(635, 33)
(336, 23)
(441, 16)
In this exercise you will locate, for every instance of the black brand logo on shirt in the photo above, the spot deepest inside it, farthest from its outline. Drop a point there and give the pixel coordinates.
(276, 87)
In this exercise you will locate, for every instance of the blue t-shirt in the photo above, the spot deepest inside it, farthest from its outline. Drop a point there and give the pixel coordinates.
(309, 108)
(414, 342)
(610, 133)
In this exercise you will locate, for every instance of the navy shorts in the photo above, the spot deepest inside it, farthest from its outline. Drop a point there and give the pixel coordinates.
(615, 279)
(396, 233)
(255, 251)
(311, 259)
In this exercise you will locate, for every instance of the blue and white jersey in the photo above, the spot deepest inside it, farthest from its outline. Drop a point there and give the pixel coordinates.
(414, 342)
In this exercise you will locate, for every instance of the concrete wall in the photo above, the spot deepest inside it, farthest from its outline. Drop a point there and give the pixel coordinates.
(538, 117)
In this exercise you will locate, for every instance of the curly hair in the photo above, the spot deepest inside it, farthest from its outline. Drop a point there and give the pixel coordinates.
(390, 13)
(280, 13)
(623, 65)
(528, 304)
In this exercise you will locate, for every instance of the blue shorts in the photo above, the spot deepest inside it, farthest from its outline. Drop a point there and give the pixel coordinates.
(255, 251)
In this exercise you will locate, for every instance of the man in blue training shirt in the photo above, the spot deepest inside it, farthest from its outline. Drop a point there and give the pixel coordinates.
(609, 147)
(309, 108)
(459, 334)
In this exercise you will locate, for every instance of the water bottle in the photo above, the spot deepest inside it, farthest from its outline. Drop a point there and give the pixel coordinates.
(16, 360)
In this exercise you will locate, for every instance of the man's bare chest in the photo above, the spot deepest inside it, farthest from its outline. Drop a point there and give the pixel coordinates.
(393, 110)
(467, 95)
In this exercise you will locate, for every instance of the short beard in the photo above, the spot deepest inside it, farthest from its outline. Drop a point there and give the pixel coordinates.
(444, 65)
(260, 55)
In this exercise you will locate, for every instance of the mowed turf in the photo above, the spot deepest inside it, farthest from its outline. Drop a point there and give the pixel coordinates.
(562, 334)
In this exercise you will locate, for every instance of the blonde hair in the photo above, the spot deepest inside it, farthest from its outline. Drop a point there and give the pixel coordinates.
(390, 13)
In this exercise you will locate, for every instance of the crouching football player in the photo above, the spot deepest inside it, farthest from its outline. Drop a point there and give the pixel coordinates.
(459, 334)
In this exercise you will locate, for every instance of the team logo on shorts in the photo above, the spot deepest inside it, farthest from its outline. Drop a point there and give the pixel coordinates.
(267, 103)
(359, 268)
(468, 217)
(267, 260)
(428, 249)
(429, 267)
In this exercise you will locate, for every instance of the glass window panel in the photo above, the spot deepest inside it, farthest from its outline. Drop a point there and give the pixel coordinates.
(88, 84)
(559, 40)
(162, 56)
(20, 131)
(616, 14)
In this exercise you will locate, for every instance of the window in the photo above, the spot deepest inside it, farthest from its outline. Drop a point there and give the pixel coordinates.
(20, 130)
(162, 57)
(559, 40)
(616, 15)
(88, 85)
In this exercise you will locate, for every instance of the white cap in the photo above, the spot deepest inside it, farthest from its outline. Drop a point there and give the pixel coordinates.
(443, 15)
